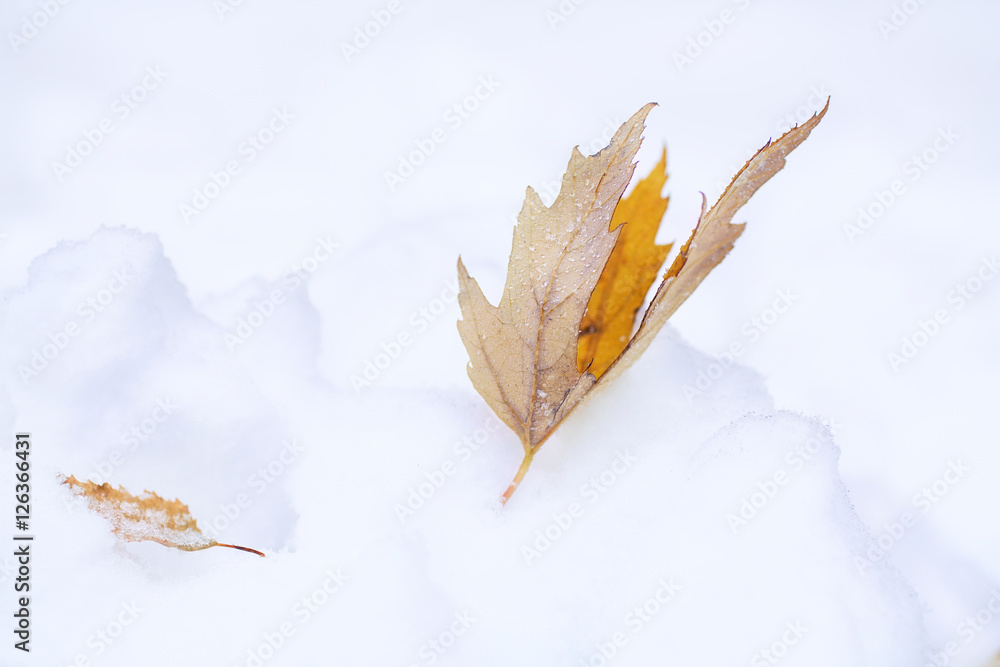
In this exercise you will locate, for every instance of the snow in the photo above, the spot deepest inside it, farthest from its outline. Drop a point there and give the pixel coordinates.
(642, 487)
(286, 363)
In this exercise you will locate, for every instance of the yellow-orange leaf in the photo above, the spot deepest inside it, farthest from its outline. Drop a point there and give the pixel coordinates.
(146, 517)
(628, 275)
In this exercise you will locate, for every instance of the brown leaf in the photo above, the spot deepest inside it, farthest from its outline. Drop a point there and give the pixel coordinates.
(576, 278)
(628, 275)
(147, 517)
(712, 239)
(523, 352)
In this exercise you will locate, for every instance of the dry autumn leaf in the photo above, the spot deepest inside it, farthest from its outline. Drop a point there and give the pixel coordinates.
(147, 517)
(523, 353)
(578, 272)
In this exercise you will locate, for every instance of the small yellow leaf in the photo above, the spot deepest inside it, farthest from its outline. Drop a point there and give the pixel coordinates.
(145, 518)
(628, 275)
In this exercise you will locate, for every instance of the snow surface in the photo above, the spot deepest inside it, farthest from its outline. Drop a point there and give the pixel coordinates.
(626, 528)
(643, 487)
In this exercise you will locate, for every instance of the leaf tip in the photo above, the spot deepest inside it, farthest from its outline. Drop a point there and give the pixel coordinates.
(825, 107)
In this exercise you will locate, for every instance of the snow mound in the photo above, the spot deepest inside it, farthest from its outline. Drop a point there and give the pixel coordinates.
(667, 521)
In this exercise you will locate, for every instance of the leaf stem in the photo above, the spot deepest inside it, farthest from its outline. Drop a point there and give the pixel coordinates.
(233, 546)
(525, 464)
